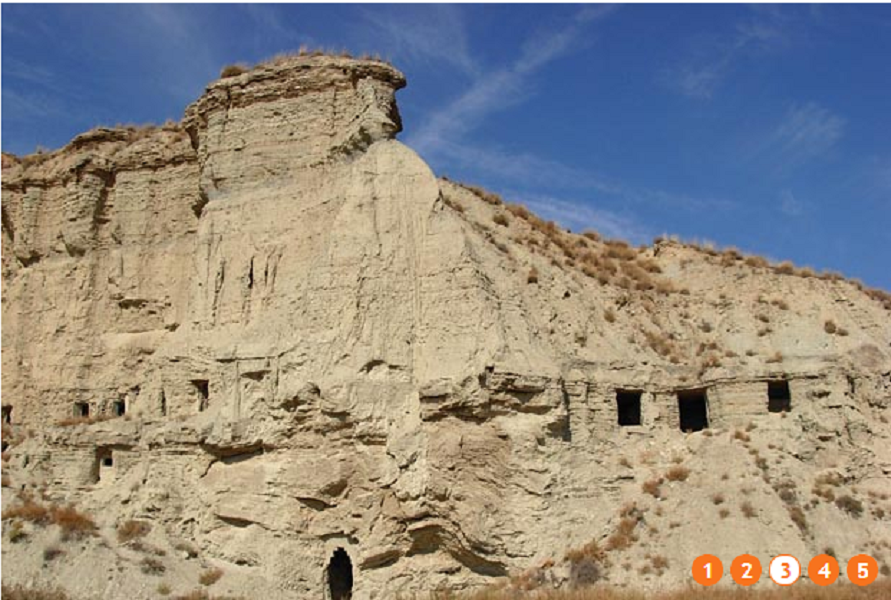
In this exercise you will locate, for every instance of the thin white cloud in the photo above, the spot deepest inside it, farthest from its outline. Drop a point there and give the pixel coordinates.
(700, 77)
(498, 90)
(790, 205)
(425, 34)
(806, 131)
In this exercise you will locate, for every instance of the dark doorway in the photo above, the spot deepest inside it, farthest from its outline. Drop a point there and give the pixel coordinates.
(693, 409)
(81, 409)
(203, 387)
(628, 407)
(340, 576)
(7, 414)
(779, 398)
(119, 408)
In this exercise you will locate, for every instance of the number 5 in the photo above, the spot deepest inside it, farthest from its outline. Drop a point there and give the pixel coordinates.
(862, 570)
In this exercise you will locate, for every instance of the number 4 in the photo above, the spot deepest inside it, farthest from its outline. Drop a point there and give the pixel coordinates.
(825, 571)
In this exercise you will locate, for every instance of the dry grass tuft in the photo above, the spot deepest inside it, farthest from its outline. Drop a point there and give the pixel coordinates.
(210, 576)
(131, 530)
(532, 276)
(677, 473)
(830, 327)
(233, 70)
(652, 487)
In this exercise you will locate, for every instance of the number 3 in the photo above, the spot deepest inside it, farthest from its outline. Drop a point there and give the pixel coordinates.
(787, 572)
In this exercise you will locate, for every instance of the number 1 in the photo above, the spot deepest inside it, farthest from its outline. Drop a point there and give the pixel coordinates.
(708, 570)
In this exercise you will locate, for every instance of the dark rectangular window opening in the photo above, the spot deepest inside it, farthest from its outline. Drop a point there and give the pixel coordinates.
(104, 461)
(693, 409)
(628, 407)
(119, 408)
(81, 409)
(779, 398)
(203, 387)
(7, 414)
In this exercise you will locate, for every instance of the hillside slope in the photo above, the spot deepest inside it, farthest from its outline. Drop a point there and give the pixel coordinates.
(270, 335)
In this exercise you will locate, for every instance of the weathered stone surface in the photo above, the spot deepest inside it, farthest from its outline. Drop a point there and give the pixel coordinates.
(319, 345)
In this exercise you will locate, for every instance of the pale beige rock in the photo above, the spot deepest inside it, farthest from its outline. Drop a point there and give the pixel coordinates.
(320, 345)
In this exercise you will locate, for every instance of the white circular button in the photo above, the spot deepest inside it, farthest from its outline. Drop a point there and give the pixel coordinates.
(785, 569)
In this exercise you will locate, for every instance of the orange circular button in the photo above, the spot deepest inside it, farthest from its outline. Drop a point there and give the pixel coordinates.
(863, 569)
(745, 569)
(823, 569)
(707, 570)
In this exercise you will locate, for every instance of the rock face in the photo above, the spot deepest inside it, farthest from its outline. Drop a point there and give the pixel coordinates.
(294, 347)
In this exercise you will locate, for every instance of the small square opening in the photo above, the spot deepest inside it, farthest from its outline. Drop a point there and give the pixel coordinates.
(779, 397)
(81, 409)
(693, 409)
(628, 407)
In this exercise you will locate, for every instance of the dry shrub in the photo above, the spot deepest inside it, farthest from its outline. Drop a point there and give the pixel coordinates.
(74, 524)
(592, 235)
(233, 70)
(131, 530)
(452, 204)
(724, 513)
(28, 510)
(532, 276)
(519, 211)
(785, 268)
(210, 576)
(758, 262)
(609, 315)
(850, 505)
(652, 487)
(51, 553)
(677, 473)
(20, 592)
(798, 517)
(830, 327)
(747, 509)
(152, 566)
(717, 498)
(841, 331)
(500, 219)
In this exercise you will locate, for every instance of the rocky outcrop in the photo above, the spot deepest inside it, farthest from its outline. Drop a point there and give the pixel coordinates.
(285, 337)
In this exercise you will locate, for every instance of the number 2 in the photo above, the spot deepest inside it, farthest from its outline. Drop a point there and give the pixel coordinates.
(748, 568)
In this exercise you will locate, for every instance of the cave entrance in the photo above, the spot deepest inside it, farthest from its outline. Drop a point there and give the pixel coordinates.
(779, 398)
(340, 576)
(693, 409)
(82, 409)
(202, 386)
(7, 413)
(628, 407)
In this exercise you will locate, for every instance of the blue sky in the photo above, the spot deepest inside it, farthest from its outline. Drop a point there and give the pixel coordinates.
(765, 127)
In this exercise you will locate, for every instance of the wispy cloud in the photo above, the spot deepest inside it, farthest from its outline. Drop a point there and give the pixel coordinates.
(790, 205)
(424, 34)
(579, 216)
(700, 77)
(805, 132)
(504, 87)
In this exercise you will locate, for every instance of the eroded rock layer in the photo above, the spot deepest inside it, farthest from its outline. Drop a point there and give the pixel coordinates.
(271, 332)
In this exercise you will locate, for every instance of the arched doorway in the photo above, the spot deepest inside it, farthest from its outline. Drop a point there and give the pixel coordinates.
(340, 576)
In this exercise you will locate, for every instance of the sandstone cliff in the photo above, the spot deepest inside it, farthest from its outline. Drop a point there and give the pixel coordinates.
(271, 333)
